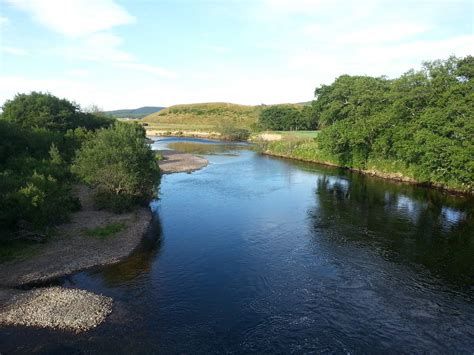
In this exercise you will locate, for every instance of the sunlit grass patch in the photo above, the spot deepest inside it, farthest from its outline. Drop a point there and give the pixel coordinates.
(107, 231)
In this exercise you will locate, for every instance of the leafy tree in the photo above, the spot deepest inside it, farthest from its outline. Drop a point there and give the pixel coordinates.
(39, 134)
(120, 164)
(40, 110)
(349, 97)
(286, 118)
(422, 121)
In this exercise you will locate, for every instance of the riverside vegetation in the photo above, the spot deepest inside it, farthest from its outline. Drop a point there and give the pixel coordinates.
(418, 127)
(47, 145)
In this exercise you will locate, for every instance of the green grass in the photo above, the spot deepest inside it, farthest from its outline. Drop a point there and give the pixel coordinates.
(299, 134)
(205, 116)
(24, 249)
(208, 117)
(107, 231)
(18, 250)
(180, 127)
(204, 149)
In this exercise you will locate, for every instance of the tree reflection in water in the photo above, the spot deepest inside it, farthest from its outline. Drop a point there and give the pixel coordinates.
(400, 222)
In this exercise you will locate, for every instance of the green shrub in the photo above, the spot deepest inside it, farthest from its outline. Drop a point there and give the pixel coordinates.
(120, 164)
(232, 132)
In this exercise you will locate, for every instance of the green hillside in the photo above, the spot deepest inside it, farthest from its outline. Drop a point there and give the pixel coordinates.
(205, 116)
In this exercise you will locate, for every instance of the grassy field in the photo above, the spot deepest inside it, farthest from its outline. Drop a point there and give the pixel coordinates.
(298, 134)
(180, 126)
(204, 116)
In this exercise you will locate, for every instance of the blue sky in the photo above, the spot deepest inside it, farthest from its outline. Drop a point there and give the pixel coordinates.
(126, 54)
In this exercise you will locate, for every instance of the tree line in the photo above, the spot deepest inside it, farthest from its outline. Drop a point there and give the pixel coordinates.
(48, 144)
(420, 124)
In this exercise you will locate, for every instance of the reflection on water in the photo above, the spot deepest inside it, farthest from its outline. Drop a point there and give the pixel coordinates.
(265, 255)
(417, 229)
(139, 262)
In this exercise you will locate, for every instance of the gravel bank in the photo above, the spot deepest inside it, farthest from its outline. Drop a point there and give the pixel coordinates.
(176, 162)
(57, 308)
(71, 250)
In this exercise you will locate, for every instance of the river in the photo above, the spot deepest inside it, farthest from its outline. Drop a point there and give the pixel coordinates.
(259, 254)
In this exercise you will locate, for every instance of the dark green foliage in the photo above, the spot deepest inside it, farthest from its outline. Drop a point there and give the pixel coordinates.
(39, 110)
(287, 118)
(423, 120)
(232, 132)
(34, 180)
(39, 137)
(120, 164)
(349, 97)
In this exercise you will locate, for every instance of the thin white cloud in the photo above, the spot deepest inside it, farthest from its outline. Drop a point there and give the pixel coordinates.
(377, 59)
(78, 73)
(149, 69)
(384, 33)
(75, 18)
(3, 20)
(86, 23)
(13, 50)
(99, 47)
(219, 49)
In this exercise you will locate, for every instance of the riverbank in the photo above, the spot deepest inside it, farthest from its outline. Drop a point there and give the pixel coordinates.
(154, 132)
(73, 249)
(69, 251)
(176, 162)
(307, 151)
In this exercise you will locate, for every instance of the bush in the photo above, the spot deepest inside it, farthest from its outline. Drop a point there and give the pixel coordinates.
(39, 136)
(43, 201)
(231, 132)
(119, 163)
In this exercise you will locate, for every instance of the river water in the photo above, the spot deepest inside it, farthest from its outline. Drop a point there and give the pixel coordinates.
(258, 254)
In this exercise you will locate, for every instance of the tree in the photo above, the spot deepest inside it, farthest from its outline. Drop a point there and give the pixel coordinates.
(286, 118)
(119, 163)
(421, 122)
(353, 97)
(43, 110)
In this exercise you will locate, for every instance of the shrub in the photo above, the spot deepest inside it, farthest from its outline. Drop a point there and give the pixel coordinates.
(118, 162)
(231, 132)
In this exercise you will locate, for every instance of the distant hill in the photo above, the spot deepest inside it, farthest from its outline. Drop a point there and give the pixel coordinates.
(134, 113)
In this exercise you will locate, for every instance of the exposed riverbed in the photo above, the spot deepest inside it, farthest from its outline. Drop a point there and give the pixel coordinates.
(258, 254)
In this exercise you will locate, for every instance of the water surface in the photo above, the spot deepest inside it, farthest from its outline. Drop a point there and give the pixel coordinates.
(257, 254)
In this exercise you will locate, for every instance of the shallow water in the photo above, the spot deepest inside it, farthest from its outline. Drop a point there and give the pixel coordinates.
(257, 254)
